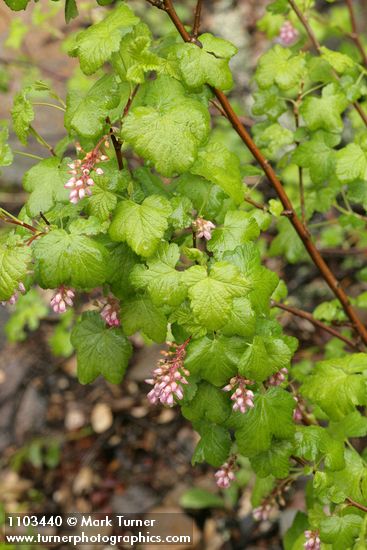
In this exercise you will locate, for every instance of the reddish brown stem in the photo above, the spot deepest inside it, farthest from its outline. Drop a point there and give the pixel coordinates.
(197, 18)
(302, 232)
(129, 101)
(21, 224)
(354, 35)
(356, 504)
(306, 315)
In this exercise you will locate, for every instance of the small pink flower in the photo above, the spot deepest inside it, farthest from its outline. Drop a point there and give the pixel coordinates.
(262, 513)
(297, 413)
(225, 476)
(110, 312)
(242, 397)
(312, 540)
(203, 228)
(288, 34)
(14, 298)
(169, 376)
(61, 299)
(278, 378)
(81, 181)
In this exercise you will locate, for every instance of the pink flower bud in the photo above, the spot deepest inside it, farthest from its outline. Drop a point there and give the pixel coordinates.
(288, 34)
(63, 297)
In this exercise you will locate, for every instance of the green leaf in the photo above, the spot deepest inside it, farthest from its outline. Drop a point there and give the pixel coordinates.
(95, 45)
(162, 281)
(100, 349)
(29, 310)
(263, 357)
(199, 499)
(350, 482)
(214, 445)
(338, 385)
(121, 261)
(140, 313)
(351, 163)
(214, 360)
(14, 263)
(325, 111)
(242, 319)
(222, 167)
(87, 116)
(268, 102)
(318, 157)
(208, 404)
(339, 61)
(181, 216)
(17, 5)
(314, 443)
(212, 294)
(279, 66)
(45, 182)
(272, 138)
(263, 281)
(71, 10)
(352, 425)
(6, 155)
(169, 126)
(287, 242)
(271, 417)
(73, 260)
(134, 57)
(142, 226)
(340, 531)
(22, 114)
(239, 227)
(206, 65)
(274, 461)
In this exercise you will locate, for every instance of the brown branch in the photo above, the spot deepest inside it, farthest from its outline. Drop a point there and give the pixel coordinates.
(356, 504)
(354, 34)
(278, 187)
(130, 100)
(20, 223)
(309, 317)
(197, 18)
(316, 44)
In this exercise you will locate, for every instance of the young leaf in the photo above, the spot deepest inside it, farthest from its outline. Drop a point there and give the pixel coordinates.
(271, 417)
(140, 313)
(45, 182)
(169, 126)
(100, 349)
(6, 155)
(209, 404)
(264, 357)
(71, 10)
(69, 259)
(22, 114)
(274, 461)
(239, 227)
(95, 45)
(325, 111)
(162, 281)
(340, 531)
(14, 261)
(142, 226)
(214, 445)
(279, 66)
(212, 294)
(351, 163)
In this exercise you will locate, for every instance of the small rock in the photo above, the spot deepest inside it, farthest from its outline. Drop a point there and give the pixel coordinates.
(101, 418)
(83, 480)
(74, 418)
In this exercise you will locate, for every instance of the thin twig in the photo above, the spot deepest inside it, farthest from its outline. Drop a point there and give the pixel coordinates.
(301, 230)
(197, 19)
(354, 34)
(356, 504)
(316, 44)
(305, 315)
(42, 141)
(300, 169)
(130, 100)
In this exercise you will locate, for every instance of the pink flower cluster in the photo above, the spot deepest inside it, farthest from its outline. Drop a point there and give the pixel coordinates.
(278, 378)
(169, 376)
(110, 312)
(262, 513)
(203, 228)
(14, 298)
(224, 476)
(81, 180)
(312, 540)
(62, 298)
(242, 397)
(288, 34)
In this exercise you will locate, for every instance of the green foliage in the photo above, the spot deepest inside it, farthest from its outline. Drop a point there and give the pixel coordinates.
(166, 227)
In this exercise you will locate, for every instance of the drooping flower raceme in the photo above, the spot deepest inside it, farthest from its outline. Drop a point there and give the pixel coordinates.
(241, 396)
(110, 312)
(225, 475)
(288, 34)
(81, 179)
(169, 376)
(278, 378)
(203, 228)
(61, 299)
(312, 540)
(14, 298)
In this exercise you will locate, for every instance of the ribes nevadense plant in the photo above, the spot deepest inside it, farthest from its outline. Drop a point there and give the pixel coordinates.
(147, 215)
